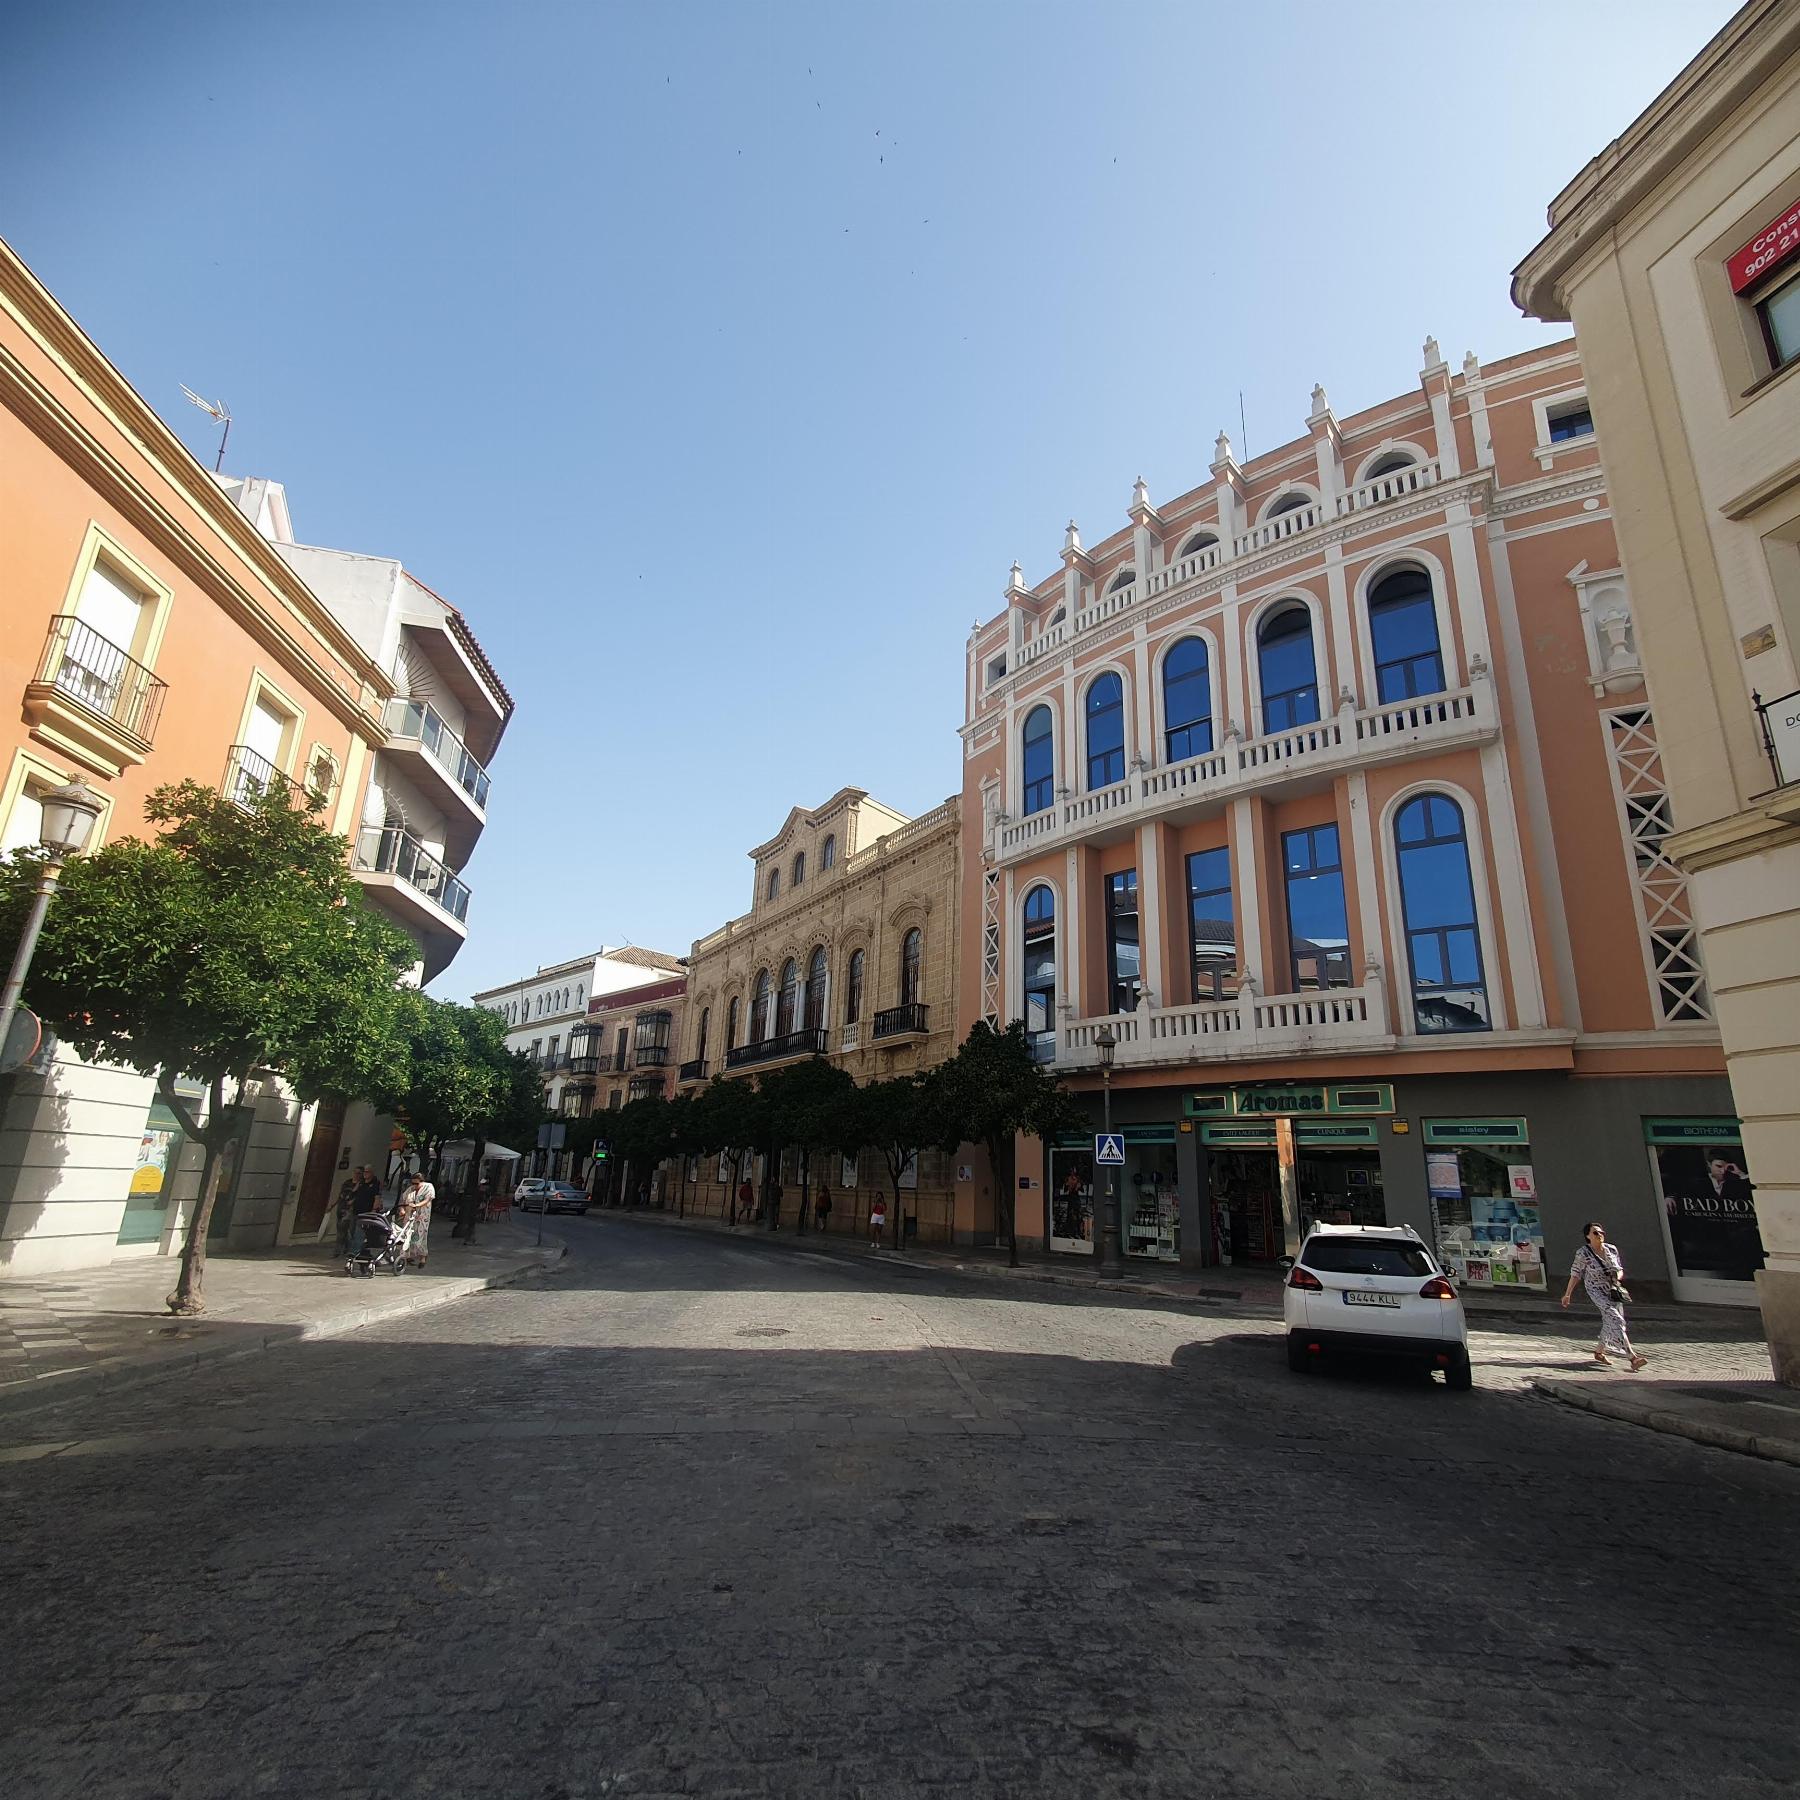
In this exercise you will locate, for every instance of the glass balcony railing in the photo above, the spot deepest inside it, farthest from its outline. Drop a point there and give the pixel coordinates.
(412, 721)
(390, 851)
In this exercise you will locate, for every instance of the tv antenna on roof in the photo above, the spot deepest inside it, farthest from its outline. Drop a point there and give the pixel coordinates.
(222, 413)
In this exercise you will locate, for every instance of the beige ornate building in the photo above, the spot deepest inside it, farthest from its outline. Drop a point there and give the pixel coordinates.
(1676, 254)
(849, 951)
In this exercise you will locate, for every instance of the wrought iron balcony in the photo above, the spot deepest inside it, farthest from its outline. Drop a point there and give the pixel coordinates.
(901, 1021)
(386, 850)
(249, 774)
(94, 686)
(692, 1071)
(776, 1049)
(414, 722)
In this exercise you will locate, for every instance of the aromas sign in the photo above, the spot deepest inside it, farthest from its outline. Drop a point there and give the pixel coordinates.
(1778, 242)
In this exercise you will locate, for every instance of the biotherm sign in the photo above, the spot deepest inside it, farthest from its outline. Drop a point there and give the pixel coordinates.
(1769, 249)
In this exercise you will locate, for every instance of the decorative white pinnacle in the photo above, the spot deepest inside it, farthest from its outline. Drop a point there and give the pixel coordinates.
(1471, 365)
(1433, 355)
(1072, 539)
(1221, 448)
(1140, 496)
(1320, 405)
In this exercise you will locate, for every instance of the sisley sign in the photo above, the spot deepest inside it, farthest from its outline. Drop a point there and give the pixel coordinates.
(1769, 249)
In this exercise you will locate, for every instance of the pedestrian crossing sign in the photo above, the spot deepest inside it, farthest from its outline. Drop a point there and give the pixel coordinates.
(1109, 1149)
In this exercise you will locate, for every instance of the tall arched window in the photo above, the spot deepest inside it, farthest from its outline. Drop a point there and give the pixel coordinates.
(1201, 540)
(1122, 580)
(787, 999)
(1290, 680)
(731, 1025)
(700, 1043)
(912, 967)
(1040, 973)
(853, 987)
(759, 1008)
(580, 992)
(1437, 902)
(1038, 751)
(1288, 503)
(1105, 731)
(774, 886)
(828, 852)
(814, 1008)
(799, 868)
(1403, 629)
(1187, 701)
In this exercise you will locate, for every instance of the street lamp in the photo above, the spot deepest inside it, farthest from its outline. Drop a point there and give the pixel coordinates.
(69, 816)
(1111, 1264)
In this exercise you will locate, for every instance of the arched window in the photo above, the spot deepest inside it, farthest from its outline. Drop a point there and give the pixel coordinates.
(731, 1025)
(1106, 731)
(912, 970)
(1187, 701)
(1403, 629)
(700, 1041)
(1290, 681)
(580, 992)
(853, 988)
(1038, 748)
(774, 886)
(814, 1006)
(1391, 464)
(828, 852)
(1437, 902)
(1123, 579)
(1286, 504)
(759, 1008)
(1201, 540)
(786, 1000)
(1040, 973)
(799, 868)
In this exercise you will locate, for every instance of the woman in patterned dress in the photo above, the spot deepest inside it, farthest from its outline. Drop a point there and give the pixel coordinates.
(415, 1213)
(1598, 1268)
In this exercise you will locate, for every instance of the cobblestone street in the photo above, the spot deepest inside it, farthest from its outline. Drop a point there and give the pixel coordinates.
(701, 1516)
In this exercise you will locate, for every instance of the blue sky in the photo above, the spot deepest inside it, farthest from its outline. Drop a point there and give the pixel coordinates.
(717, 360)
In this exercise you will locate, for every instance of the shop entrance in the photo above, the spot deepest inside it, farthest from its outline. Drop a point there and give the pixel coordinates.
(1708, 1208)
(1148, 1196)
(1337, 1181)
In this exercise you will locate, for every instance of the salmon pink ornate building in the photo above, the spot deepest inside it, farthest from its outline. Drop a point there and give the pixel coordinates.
(1330, 790)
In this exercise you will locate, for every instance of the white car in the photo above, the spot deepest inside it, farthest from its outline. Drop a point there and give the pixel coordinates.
(1369, 1290)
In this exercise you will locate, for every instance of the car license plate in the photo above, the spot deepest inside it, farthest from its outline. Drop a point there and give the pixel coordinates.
(1358, 1297)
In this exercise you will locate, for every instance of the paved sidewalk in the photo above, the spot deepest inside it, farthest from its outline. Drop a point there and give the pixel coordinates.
(109, 1327)
(1757, 1418)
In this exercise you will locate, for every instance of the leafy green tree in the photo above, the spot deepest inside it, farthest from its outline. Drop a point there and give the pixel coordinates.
(729, 1119)
(806, 1104)
(237, 941)
(897, 1119)
(991, 1091)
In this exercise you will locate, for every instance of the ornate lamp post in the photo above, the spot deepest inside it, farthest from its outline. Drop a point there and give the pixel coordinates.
(70, 813)
(1111, 1263)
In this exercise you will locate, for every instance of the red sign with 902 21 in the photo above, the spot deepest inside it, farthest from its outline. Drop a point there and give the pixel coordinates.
(1769, 249)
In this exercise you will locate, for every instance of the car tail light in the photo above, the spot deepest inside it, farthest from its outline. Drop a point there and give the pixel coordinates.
(1305, 1278)
(1437, 1288)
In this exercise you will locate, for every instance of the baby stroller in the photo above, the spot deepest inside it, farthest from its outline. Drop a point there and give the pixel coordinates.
(384, 1246)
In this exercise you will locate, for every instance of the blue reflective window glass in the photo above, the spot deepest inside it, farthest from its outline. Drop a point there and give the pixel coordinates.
(1187, 701)
(1038, 749)
(1122, 950)
(1212, 925)
(1106, 731)
(1318, 922)
(1403, 629)
(1040, 973)
(1290, 682)
(1437, 901)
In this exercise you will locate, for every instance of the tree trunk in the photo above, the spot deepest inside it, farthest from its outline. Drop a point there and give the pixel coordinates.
(771, 1180)
(188, 1298)
(899, 1219)
(469, 1211)
(1000, 1161)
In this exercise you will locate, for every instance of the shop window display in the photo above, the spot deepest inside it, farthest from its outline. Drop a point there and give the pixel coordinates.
(1484, 1203)
(1072, 1201)
(1708, 1199)
(1150, 1202)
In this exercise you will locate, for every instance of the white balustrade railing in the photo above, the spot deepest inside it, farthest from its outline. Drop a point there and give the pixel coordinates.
(1186, 569)
(1398, 484)
(1279, 529)
(1108, 606)
(1050, 638)
(1330, 1019)
(1347, 738)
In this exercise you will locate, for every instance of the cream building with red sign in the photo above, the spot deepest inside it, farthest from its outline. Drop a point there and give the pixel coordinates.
(1331, 788)
(1676, 255)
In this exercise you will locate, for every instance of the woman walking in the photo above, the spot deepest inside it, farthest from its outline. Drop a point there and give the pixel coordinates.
(415, 1213)
(1598, 1268)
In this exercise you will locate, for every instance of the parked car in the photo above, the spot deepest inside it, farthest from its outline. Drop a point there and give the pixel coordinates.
(1373, 1291)
(537, 1194)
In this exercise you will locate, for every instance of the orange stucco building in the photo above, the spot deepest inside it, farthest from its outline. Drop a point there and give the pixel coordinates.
(1330, 788)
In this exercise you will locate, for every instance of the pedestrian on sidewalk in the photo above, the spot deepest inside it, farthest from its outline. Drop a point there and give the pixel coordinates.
(745, 1204)
(368, 1205)
(1599, 1269)
(822, 1206)
(346, 1208)
(877, 1221)
(415, 1216)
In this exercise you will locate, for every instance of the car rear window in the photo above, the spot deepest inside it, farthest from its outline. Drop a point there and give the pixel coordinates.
(1365, 1256)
